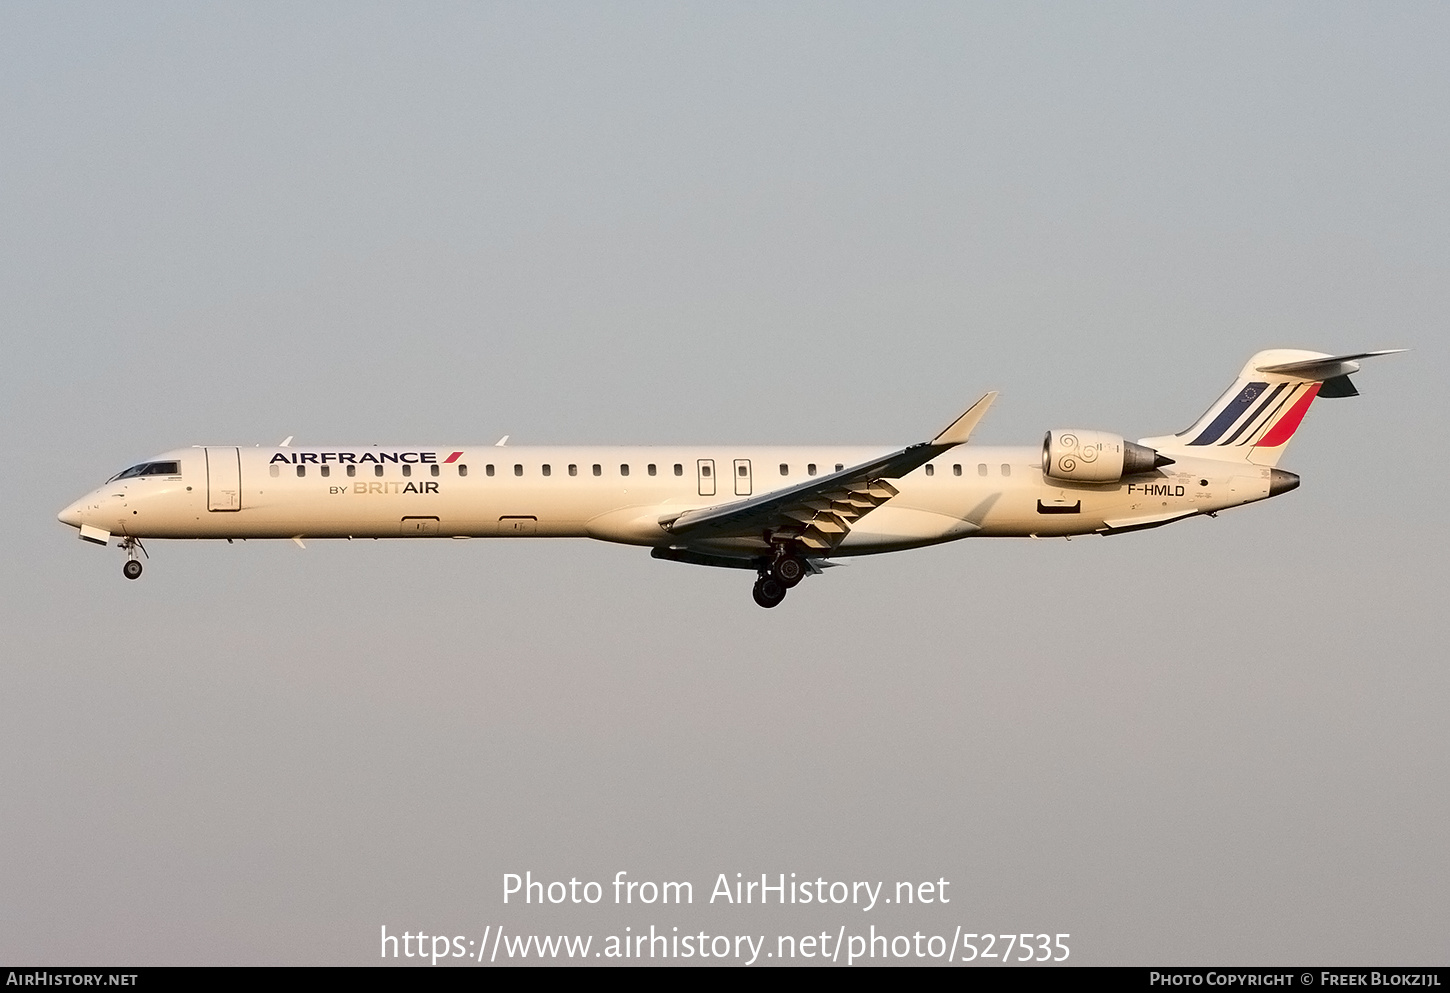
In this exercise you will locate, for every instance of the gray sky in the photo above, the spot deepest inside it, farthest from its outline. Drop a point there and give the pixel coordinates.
(1223, 741)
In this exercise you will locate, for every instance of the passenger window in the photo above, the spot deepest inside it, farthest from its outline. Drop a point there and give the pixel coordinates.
(518, 469)
(378, 469)
(810, 468)
(982, 469)
(433, 469)
(301, 470)
(547, 469)
(573, 469)
(679, 469)
(784, 469)
(462, 469)
(352, 470)
(705, 471)
(273, 470)
(327, 470)
(1006, 469)
(930, 469)
(741, 470)
(598, 469)
(488, 470)
(624, 470)
(650, 468)
(956, 470)
(407, 470)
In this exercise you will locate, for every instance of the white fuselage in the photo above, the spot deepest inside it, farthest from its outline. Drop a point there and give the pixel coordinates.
(621, 494)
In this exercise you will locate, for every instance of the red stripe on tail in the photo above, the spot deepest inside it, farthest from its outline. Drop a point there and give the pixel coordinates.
(1281, 432)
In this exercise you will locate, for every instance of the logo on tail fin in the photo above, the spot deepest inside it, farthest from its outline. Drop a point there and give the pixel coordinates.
(1254, 421)
(1267, 424)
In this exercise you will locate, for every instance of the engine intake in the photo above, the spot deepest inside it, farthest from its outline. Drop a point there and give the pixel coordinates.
(1095, 457)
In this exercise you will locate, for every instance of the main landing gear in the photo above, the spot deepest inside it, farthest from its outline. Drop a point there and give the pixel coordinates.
(132, 568)
(785, 571)
(788, 569)
(769, 591)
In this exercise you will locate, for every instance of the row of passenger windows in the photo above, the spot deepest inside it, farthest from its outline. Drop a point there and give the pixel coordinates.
(981, 469)
(548, 470)
(573, 470)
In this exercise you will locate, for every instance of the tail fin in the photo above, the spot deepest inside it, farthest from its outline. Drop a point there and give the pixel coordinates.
(1255, 419)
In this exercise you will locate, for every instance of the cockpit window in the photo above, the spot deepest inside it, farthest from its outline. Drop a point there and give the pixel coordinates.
(149, 469)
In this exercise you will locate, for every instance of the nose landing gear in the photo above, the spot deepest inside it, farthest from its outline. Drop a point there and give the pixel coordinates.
(132, 568)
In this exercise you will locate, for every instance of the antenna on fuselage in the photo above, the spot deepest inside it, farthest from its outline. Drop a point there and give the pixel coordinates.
(501, 442)
(285, 442)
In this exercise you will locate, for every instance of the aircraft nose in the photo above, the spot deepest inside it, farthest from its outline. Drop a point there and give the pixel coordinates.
(72, 514)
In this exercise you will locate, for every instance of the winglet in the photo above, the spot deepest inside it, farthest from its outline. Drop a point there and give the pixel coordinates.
(961, 428)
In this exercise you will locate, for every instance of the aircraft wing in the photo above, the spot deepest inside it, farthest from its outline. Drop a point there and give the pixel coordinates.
(819, 512)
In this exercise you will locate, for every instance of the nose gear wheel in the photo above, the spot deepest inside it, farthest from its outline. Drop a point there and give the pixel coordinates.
(132, 568)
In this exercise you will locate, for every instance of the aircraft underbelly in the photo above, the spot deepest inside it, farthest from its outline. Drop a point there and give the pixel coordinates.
(891, 528)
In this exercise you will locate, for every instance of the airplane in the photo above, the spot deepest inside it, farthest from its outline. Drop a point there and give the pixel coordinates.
(781, 512)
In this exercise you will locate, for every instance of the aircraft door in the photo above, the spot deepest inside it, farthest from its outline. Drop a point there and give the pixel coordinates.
(705, 471)
(223, 479)
(742, 477)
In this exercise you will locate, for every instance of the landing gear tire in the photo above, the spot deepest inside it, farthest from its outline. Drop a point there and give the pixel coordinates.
(132, 569)
(789, 570)
(769, 591)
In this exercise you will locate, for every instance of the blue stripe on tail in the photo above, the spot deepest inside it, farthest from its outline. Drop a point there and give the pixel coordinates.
(1255, 415)
(1230, 414)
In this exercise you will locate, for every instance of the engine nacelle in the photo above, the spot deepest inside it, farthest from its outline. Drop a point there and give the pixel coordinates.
(1095, 457)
